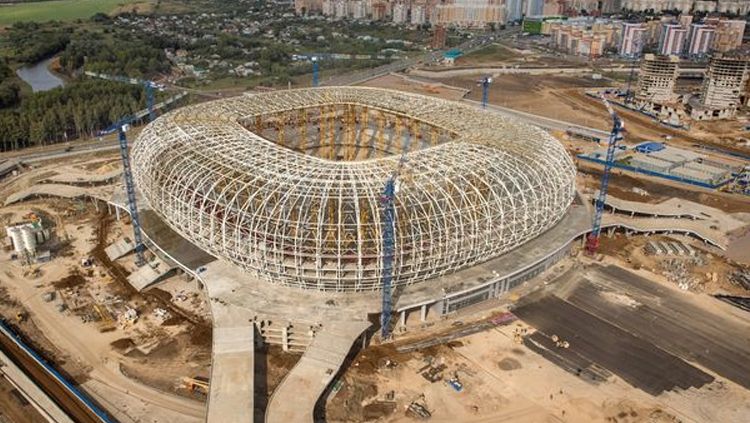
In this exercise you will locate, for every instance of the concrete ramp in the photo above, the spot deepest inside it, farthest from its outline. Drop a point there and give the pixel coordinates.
(119, 248)
(294, 399)
(148, 274)
(231, 394)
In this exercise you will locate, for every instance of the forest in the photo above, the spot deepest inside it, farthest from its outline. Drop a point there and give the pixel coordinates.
(80, 109)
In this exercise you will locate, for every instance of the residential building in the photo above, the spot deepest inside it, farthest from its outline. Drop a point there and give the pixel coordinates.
(513, 10)
(672, 39)
(729, 33)
(438, 37)
(418, 14)
(400, 13)
(700, 40)
(656, 79)
(723, 86)
(471, 13)
(632, 40)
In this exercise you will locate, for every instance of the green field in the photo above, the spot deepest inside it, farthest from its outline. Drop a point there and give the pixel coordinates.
(62, 10)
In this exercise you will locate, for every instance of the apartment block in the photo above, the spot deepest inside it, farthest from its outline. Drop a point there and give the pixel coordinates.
(656, 79)
(672, 39)
(723, 87)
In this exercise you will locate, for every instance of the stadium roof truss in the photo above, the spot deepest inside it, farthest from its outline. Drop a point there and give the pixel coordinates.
(287, 184)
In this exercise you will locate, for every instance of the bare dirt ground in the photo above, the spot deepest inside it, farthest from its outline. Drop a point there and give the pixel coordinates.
(85, 333)
(563, 98)
(630, 252)
(403, 83)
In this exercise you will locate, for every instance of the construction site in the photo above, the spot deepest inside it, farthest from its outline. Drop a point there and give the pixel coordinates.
(439, 245)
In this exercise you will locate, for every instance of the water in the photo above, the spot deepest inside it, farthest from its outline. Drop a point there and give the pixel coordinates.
(39, 77)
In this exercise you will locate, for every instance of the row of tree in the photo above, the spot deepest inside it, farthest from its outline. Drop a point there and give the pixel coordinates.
(78, 110)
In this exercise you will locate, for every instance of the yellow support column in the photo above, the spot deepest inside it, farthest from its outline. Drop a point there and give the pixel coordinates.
(258, 124)
(398, 137)
(302, 117)
(351, 148)
(322, 131)
(381, 133)
(280, 124)
(332, 132)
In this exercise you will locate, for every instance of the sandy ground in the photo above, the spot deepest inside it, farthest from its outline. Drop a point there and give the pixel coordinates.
(562, 97)
(504, 381)
(114, 361)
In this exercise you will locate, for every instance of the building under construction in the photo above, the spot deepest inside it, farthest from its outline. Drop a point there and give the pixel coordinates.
(656, 82)
(287, 185)
(723, 88)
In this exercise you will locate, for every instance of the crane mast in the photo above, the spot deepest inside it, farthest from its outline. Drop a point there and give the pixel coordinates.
(592, 242)
(388, 221)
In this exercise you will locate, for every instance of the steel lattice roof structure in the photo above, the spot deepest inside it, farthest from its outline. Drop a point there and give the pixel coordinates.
(287, 184)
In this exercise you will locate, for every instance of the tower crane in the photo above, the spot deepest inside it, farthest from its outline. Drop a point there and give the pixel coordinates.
(388, 221)
(122, 127)
(485, 82)
(592, 242)
(315, 76)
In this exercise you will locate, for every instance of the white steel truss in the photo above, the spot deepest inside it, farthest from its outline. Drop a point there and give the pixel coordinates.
(300, 205)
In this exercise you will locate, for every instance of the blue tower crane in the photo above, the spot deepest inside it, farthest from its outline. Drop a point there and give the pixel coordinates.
(121, 127)
(592, 242)
(388, 198)
(315, 76)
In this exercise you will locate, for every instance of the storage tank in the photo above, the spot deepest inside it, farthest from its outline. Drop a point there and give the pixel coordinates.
(15, 236)
(29, 239)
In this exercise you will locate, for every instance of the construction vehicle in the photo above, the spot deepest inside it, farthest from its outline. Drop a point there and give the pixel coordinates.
(196, 384)
(455, 384)
(20, 317)
(592, 241)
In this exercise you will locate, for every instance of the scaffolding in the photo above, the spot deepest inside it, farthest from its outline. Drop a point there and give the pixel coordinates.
(287, 184)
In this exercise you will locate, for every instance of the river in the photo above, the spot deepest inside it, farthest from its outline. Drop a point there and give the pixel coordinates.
(39, 76)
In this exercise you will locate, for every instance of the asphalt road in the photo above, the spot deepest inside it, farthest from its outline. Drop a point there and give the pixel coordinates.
(51, 386)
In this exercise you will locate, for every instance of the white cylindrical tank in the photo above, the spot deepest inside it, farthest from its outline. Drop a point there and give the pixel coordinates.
(15, 236)
(29, 239)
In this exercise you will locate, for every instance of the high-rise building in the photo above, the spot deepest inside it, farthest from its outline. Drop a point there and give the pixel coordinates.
(700, 40)
(729, 34)
(308, 6)
(513, 10)
(672, 39)
(534, 8)
(340, 9)
(471, 13)
(400, 13)
(685, 20)
(656, 79)
(357, 9)
(723, 87)
(439, 36)
(418, 14)
(379, 11)
(633, 39)
(724, 81)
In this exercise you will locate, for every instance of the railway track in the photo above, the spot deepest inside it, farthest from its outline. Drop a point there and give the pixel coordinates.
(73, 402)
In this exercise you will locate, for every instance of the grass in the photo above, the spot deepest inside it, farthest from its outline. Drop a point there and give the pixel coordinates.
(491, 53)
(65, 10)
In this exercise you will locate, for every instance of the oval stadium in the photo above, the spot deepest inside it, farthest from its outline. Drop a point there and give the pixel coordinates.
(288, 184)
